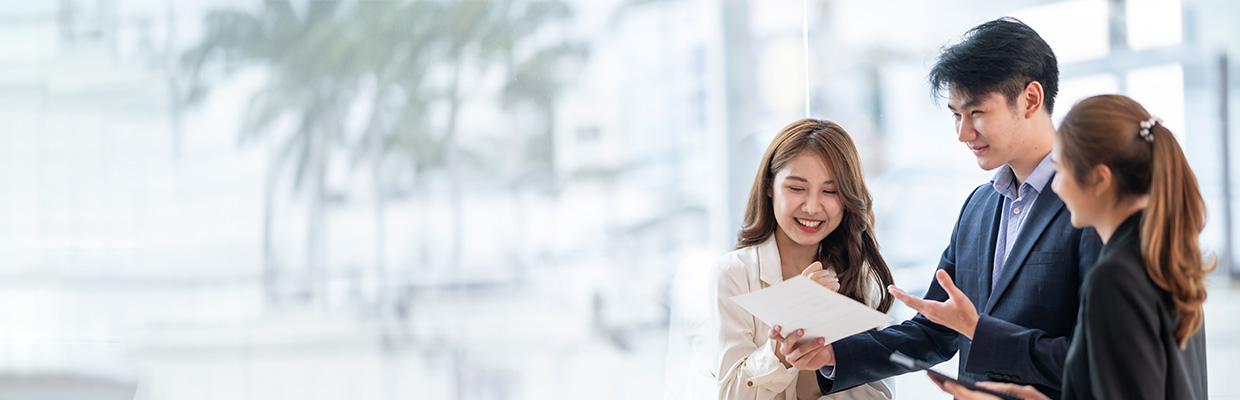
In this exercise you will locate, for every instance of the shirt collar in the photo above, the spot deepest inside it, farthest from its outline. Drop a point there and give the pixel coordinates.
(1037, 180)
(1042, 174)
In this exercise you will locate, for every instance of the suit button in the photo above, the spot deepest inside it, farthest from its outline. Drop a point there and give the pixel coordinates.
(1015, 378)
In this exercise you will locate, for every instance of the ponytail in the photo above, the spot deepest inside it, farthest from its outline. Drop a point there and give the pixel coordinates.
(1175, 216)
(1146, 159)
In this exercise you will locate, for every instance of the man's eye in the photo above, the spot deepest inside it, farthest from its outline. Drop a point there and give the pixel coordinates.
(796, 189)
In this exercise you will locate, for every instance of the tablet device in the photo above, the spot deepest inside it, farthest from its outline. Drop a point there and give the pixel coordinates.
(915, 364)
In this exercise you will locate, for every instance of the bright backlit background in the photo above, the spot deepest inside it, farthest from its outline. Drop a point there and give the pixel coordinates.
(488, 199)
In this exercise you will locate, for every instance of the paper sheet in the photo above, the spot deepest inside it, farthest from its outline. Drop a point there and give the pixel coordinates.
(800, 303)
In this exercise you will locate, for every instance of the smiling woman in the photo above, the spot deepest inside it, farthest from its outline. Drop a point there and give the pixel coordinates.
(816, 163)
(808, 214)
(804, 196)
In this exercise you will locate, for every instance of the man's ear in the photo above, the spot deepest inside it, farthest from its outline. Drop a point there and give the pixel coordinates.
(1101, 178)
(1032, 98)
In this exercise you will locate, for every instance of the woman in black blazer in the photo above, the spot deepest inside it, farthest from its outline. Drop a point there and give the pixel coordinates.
(1139, 330)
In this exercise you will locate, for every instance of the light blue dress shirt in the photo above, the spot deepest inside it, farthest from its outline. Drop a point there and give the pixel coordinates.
(1017, 203)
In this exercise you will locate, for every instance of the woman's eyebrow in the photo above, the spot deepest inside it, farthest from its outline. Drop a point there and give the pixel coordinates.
(800, 179)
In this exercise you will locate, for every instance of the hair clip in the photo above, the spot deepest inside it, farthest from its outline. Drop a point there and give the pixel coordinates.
(1146, 126)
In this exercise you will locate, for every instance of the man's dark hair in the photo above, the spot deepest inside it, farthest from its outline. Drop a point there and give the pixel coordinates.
(1002, 56)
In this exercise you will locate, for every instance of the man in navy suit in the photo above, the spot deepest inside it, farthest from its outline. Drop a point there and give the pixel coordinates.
(1006, 290)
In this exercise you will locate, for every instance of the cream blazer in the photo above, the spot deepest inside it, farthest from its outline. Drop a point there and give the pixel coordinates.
(746, 366)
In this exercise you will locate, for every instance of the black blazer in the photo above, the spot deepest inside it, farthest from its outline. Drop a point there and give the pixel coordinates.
(1124, 346)
(1026, 317)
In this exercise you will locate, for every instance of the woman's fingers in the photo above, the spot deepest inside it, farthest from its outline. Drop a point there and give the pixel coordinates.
(822, 275)
(775, 334)
(813, 267)
(937, 381)
(807, 348)
(789, 343)
(1025, 391)
(825, 278)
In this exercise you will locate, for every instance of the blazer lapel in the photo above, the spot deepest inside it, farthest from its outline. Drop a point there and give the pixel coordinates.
(985, 241)
(1044, 210)
(770, 270)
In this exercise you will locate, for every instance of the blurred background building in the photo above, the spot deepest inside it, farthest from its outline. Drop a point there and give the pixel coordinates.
(438, 199)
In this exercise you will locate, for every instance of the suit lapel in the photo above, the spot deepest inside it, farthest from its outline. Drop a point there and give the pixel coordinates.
(1044, 210)
(770, 269)
(986, 242)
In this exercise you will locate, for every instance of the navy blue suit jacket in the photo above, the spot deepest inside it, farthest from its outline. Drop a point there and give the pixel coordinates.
(1026, 318)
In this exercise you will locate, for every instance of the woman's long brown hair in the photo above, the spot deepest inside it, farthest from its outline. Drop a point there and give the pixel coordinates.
(851, 247)
(1104, 130)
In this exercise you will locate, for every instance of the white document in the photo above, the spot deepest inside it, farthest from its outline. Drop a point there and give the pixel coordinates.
(800, 303)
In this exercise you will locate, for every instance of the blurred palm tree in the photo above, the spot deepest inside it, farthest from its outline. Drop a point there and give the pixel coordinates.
(311, 76)
(323, 61)
(490, 33)
(404, 43)
(535, 82)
